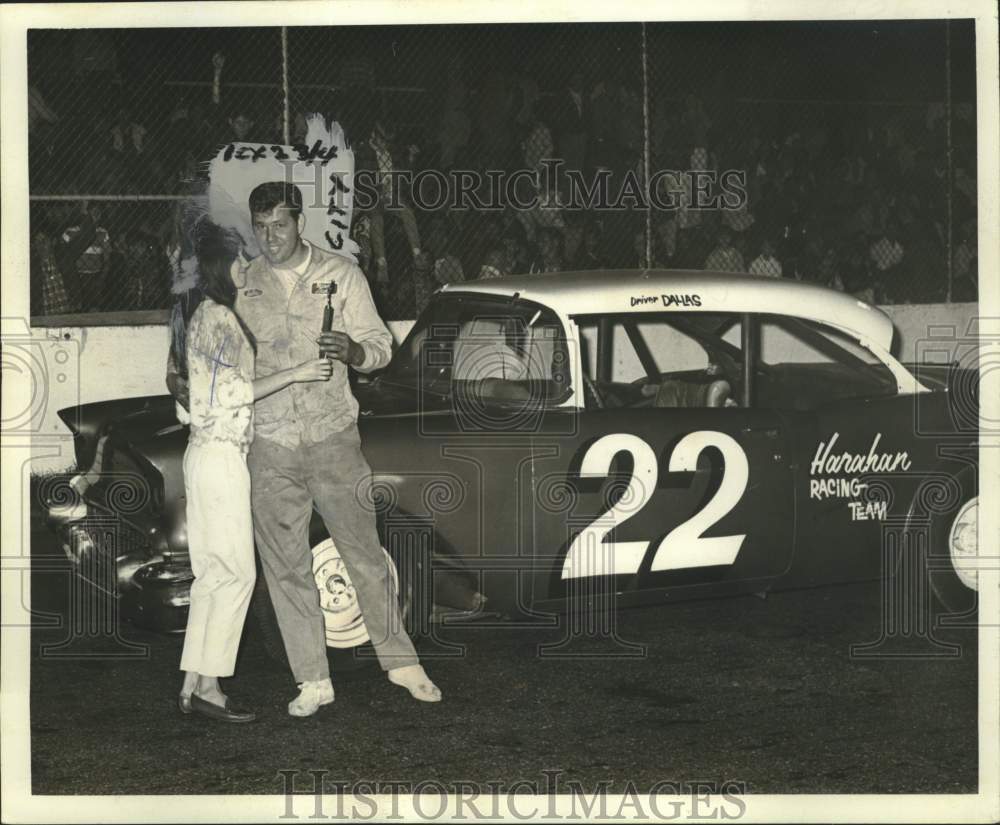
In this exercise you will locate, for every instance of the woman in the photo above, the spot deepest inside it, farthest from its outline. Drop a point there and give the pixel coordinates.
(218, 351)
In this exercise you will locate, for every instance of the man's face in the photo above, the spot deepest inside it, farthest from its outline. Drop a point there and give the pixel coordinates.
(278, 234)
(241, 126)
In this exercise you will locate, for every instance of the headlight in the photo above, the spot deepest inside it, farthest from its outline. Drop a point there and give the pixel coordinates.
(79, 545)
(963, 544)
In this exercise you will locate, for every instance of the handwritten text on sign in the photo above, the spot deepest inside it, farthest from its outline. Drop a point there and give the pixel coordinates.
(322, 168)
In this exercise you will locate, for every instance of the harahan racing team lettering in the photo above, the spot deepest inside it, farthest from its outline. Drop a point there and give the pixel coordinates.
(827, 463)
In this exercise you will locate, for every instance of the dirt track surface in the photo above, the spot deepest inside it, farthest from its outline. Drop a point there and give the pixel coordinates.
(760, 692)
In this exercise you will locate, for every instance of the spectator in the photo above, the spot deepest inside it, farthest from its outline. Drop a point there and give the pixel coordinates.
(91, 262)
(381, 144)
(571, 117)
(128, 136)
(725, 257)
(546, 210)
(738, 219)
(50, 293)
(766, 263)
(515, 248)
(447, 267)
(844, 171)
(239, 120)
(550, 252)
(448, 270)
(591, 254)
(537, 146)
(493, 265)
(142, 274)
(665, 241)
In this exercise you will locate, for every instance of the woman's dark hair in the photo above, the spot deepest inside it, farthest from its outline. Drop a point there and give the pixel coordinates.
(215, 248)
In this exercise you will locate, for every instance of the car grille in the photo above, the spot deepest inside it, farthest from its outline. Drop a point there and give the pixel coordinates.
(105, 550)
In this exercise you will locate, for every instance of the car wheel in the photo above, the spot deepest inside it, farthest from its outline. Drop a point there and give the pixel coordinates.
(348, 645)
(954, 549)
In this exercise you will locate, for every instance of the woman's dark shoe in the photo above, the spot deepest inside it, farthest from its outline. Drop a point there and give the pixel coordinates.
(184, 702)
(224, 713)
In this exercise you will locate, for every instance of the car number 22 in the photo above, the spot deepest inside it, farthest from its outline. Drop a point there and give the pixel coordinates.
(684, 546)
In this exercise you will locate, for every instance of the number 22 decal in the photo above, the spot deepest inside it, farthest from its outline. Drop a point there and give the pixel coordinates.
(684, 546)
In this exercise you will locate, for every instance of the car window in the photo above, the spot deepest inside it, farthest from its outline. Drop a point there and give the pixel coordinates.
(661, 359)
(496, 348)
(806, 364)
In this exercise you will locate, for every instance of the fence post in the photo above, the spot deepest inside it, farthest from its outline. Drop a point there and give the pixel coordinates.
(950, 175)
(645, 150)
(286, 126)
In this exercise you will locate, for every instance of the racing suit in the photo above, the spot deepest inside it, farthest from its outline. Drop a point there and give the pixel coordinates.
(307, 451)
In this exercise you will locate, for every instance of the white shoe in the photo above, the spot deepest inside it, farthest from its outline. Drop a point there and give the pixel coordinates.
(415, 680)
(312, 696)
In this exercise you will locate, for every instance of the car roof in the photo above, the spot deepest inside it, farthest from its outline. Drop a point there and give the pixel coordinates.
(603, 291)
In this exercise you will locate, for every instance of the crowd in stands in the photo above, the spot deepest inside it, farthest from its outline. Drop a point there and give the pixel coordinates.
(855, 197)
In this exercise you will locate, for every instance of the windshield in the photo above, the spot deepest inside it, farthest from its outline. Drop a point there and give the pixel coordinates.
(500, 349)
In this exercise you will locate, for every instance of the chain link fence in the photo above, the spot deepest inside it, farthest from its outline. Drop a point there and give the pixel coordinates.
(838, 153)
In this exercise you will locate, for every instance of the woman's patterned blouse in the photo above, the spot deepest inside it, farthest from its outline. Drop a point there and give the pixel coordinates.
(220, 364)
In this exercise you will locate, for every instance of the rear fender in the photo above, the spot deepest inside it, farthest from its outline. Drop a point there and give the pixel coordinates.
(90, 422)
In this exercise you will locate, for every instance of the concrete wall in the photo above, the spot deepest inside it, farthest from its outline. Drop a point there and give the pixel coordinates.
(72, 364)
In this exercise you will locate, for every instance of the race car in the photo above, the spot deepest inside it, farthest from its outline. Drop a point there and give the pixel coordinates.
(568, 441)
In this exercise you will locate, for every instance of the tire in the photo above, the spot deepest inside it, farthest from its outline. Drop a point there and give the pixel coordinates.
(348, 648)
(952, 537)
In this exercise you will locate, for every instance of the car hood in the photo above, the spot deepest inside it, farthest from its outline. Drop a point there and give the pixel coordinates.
(383, 398)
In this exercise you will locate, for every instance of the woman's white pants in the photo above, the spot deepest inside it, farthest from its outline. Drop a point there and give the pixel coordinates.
(220, 540)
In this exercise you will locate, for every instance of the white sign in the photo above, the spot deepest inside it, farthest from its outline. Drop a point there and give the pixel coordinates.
(322, 168)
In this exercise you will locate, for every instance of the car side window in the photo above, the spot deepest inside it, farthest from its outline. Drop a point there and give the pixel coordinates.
(492, 349)
(805, 364)
(660, 360)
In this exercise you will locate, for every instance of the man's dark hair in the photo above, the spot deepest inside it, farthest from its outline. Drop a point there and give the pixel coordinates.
(267, 196)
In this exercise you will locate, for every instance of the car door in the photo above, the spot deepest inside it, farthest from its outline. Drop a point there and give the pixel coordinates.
(657, 502)
(852, 451)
